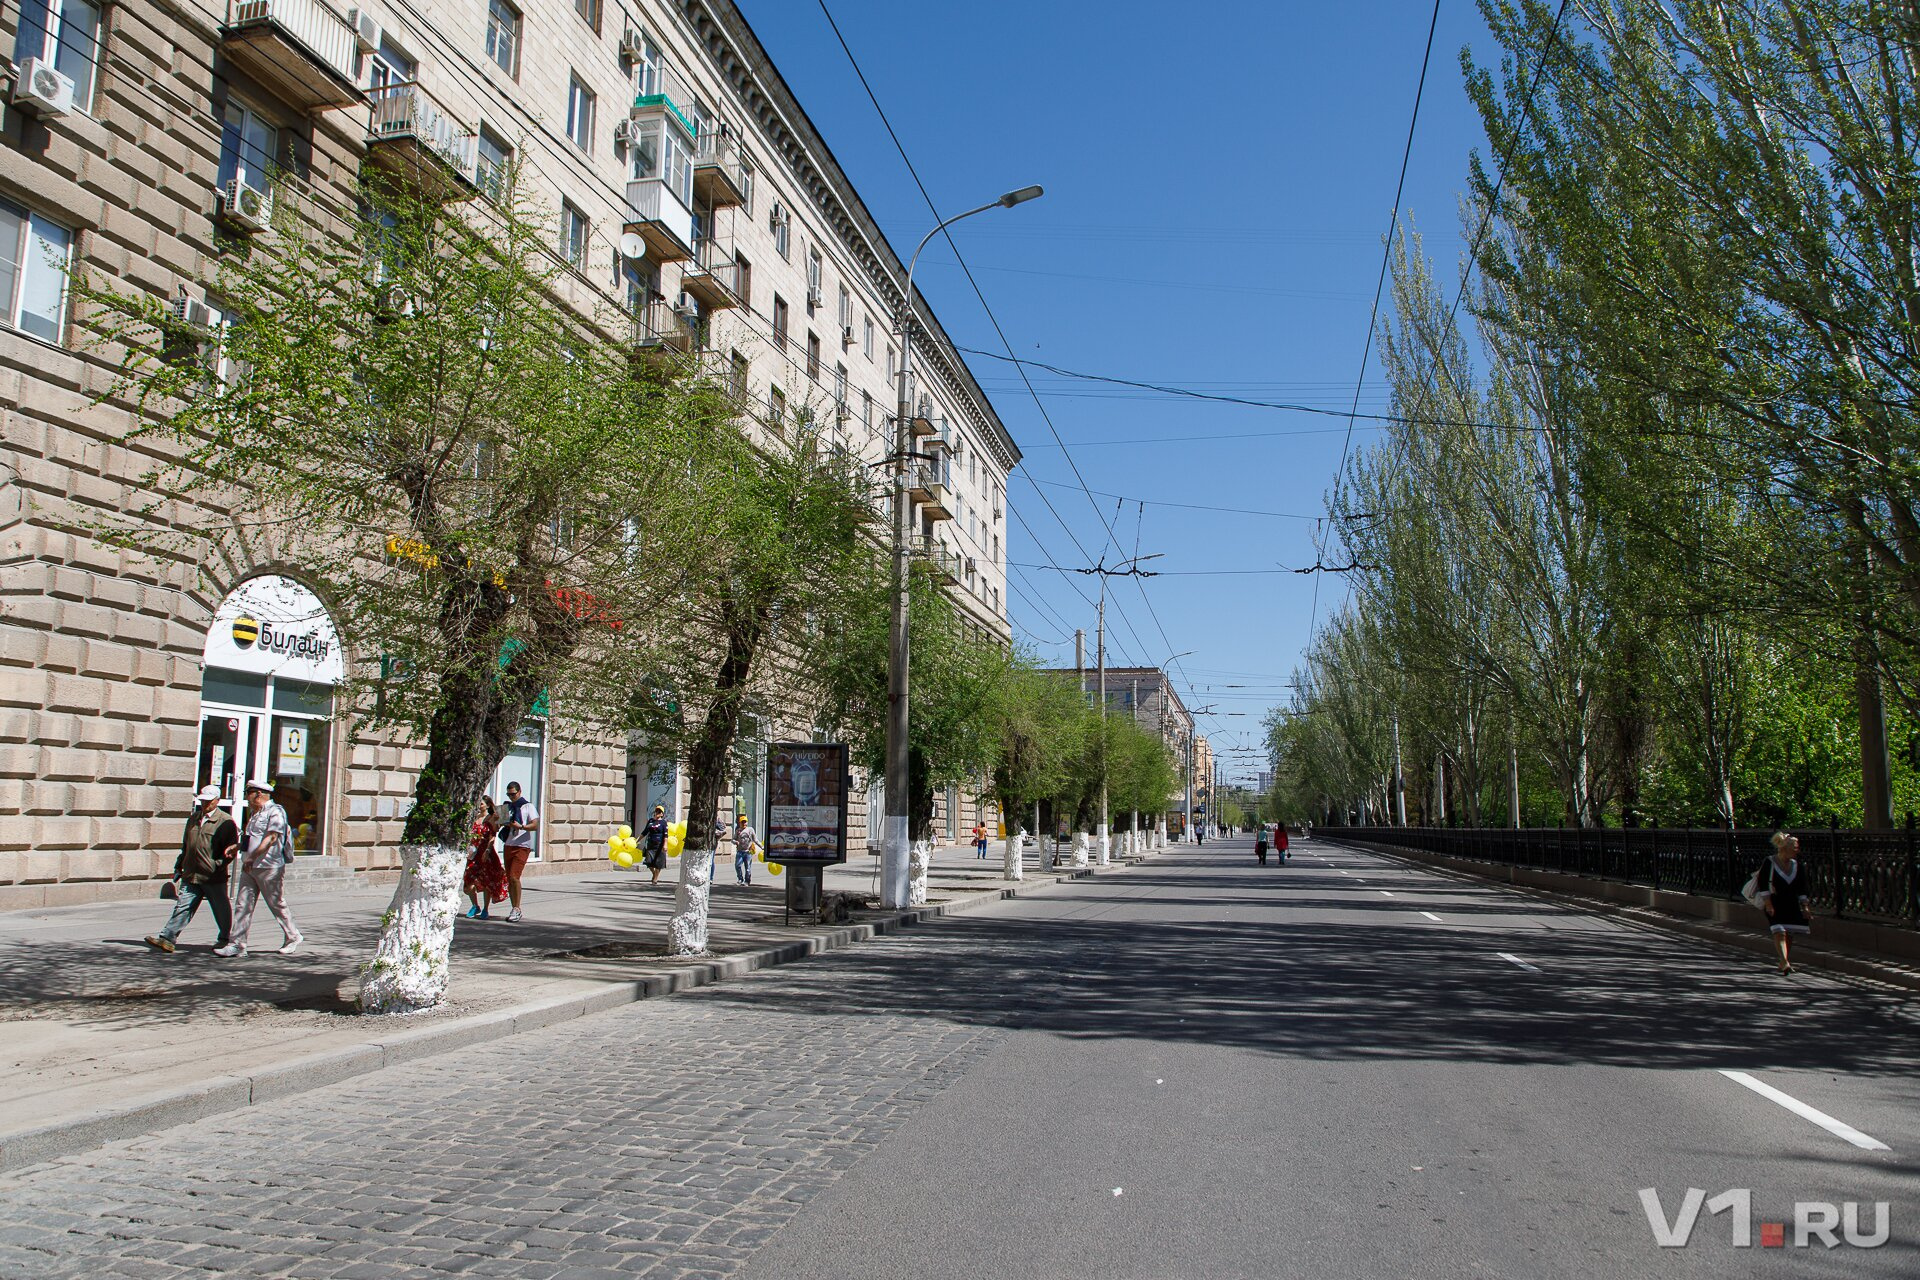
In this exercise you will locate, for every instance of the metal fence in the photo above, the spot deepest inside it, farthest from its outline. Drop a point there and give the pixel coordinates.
(1864, 874)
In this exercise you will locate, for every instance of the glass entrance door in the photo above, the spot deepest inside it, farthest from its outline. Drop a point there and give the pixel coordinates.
(230, 743)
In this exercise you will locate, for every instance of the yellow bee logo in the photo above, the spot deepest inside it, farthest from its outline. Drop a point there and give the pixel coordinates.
(245, 631)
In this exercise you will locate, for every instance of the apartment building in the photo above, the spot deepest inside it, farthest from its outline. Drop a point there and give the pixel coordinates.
(1147, 697)
(686, 184)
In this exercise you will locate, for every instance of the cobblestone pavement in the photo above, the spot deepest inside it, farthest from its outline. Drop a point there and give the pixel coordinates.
(669, 1139)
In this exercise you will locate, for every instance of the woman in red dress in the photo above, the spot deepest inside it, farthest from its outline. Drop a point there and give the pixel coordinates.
(486, 879)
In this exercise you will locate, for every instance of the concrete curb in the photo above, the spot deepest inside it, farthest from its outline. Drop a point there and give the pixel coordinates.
(1646, 918)
(221, 1094)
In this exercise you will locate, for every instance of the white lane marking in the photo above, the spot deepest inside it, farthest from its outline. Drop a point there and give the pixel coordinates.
(1436, 919)
(1385, 893)
(1511, 958)
(1346, 873)
(1837, 1128)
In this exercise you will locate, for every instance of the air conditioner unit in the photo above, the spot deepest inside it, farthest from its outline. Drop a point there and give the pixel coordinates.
(247, 208)
(626, 132)
(367, 33)
(633, 45)
(846, 335)
(195, 314)
(971, 570)
(43, 89)
(813, 295)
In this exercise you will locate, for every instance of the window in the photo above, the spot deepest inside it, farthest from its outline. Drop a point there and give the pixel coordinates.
(390, 65)
(893, 377)
(579, 113)
(573, 235)
(648, 72)
(866, 409)
(218, 354)
(780, 222)
(846, 309)
(34, 254)
(743, 279)
(779, 323)
(496, 162)
(746, 187)
(866, 337)
(813, 355)
(503, 36)
(655, 151)
(65, 33)
(249, 146)
(840, 390)
(737, 377)
(776, 409)
(642, 280)
(815, 275)
(590, 11)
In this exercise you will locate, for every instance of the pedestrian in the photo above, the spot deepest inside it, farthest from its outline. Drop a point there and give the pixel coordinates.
(200, 872)
(1783, 895)
(486, 878)
(518, 835)
(654, 837)
(1260, 843)
(743, 839)
(265, 852)
(1281, 845)
(979, 841)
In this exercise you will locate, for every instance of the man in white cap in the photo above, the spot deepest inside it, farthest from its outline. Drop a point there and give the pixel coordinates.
(267, 850)
(200, 872)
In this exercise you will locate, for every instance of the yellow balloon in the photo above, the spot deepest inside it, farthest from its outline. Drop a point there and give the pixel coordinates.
(623, 859)
(613, 845)
(626, 831)
(630, 844)
(678, 829)
(774, 868)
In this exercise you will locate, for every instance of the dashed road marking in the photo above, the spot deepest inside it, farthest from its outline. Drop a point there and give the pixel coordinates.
(1837, 1128)
(1386, 893)
(1436, 919)
(1513, 959)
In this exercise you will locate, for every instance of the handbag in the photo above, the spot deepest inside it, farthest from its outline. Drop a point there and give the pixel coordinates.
(1751, 889)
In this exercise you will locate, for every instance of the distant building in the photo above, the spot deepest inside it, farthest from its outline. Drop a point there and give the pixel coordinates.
(1148, 697)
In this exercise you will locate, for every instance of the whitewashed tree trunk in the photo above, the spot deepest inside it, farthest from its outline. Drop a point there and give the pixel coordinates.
(687, 931)
(1011, 867)
(1103, 848)
(919, 858)
(1081, 843)
(408, 971)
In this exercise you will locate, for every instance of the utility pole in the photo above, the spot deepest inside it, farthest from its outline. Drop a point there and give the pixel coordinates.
(896, 839)
(1128, 568)
(1399, 779)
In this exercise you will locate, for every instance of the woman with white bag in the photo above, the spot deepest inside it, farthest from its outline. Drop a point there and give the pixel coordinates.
(1780, 888)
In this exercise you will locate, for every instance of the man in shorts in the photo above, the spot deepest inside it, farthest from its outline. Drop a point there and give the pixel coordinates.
(518, 835)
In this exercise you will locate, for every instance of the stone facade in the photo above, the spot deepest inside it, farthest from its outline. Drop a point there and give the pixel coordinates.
(102, 653)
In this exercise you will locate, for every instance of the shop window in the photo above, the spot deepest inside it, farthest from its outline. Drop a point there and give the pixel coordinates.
(65, 33)
(34, 258)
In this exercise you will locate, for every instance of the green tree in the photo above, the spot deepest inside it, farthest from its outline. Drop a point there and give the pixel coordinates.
(466, 469)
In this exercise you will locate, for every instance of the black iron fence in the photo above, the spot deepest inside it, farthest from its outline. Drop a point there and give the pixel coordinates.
(1865, 874)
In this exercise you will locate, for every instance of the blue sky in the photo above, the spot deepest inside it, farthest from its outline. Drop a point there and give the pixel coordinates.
(1218, 180)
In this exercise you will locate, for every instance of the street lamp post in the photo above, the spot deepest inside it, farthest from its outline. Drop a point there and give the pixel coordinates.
(895, 838)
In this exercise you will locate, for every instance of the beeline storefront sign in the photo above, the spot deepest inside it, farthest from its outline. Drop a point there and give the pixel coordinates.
(273, 626)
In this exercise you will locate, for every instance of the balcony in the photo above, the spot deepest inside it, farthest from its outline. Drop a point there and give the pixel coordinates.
(712, 276)
(667, 94)
(924, 423)
(663, 330)
(419, 146)
(719, 170)
(298, 50)
(928, 487)
(656, 215)
(941, 562)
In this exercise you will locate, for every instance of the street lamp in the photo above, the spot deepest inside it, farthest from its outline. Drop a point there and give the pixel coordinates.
(895, 839)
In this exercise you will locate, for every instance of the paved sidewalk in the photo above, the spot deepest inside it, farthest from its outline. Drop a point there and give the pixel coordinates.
(105, 1037)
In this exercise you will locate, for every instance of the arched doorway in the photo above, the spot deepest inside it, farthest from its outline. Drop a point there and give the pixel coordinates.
(266, 701)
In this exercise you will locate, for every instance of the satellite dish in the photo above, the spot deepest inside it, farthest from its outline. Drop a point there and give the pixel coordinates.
(632, 247)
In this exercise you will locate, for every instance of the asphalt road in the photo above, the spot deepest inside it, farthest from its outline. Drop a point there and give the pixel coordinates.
(1200, 1067)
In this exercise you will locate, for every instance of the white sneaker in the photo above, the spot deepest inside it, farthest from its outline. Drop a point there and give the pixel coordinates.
(231, 950)
(293, 944)
(514, 916)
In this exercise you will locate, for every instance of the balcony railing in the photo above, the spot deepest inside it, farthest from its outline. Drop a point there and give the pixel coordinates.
(713, 275)
(655, 212)
(300, 50)
(928, 487)
(412, 137)
(719, 170)
(944, 563)
(668, 90)
(659, 326)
